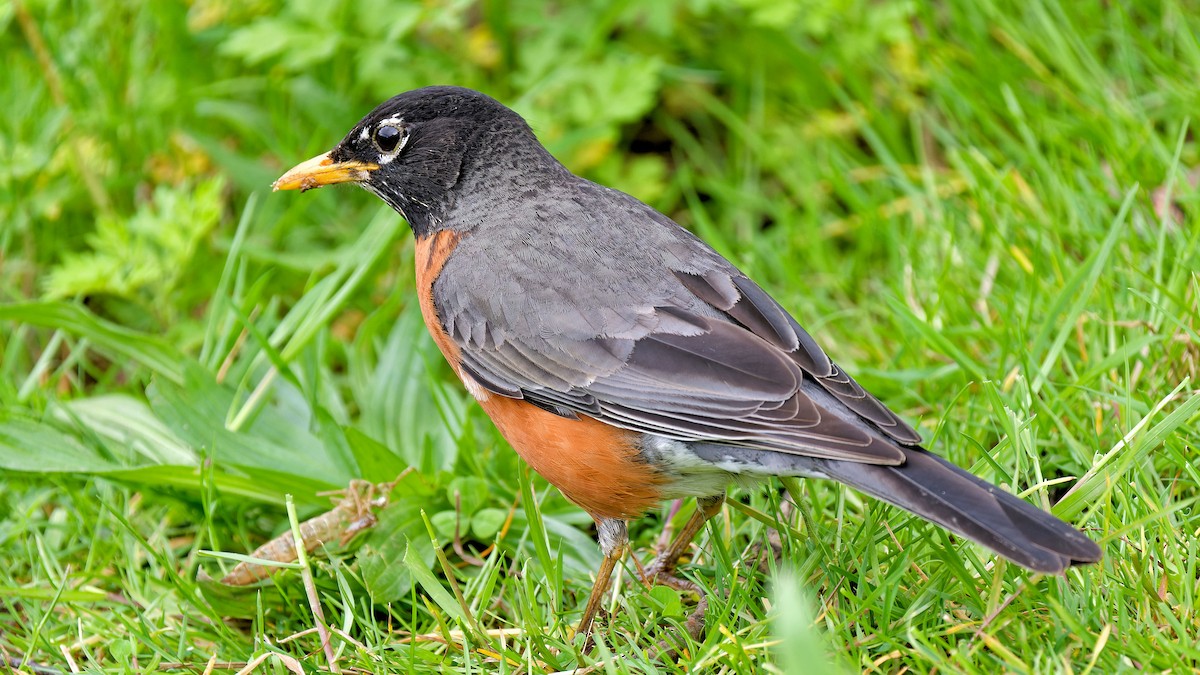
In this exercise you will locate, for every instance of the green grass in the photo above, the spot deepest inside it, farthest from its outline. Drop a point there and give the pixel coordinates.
(986, 211)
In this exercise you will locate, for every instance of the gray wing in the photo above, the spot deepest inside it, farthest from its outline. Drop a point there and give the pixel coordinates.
(655, 333)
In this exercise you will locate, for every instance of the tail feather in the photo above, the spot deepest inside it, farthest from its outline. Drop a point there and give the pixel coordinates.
(937, 490)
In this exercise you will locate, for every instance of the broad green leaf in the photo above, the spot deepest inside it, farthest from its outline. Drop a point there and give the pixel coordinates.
(444, 523)
(129, 424)
(375, 462)
(396, 543)
(154, 353)
(467, 493)
(38, 447)
(262, 485)
(487, 522)
(669, 600)
(196, 413)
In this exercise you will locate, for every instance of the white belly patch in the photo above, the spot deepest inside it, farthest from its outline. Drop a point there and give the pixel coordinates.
(690, 475)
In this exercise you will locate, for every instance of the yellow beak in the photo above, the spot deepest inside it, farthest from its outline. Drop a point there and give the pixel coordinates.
(322, 170)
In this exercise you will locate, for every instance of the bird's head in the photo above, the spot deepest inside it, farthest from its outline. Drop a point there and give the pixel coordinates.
(413, 149)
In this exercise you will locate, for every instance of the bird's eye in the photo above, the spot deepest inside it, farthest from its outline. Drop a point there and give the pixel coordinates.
(387, 138)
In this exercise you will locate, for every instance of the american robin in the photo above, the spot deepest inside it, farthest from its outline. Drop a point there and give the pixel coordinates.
(622, 357)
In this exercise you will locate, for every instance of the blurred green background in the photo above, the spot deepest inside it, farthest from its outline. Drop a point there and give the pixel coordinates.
(985, 210)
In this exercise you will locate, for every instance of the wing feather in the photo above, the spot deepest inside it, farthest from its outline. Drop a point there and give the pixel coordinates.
(654, 332)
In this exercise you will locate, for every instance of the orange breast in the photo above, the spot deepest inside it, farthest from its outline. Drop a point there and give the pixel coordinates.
(431, 255)
(595, 465)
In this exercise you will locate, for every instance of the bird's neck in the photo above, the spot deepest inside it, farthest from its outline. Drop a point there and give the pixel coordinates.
(493, 172)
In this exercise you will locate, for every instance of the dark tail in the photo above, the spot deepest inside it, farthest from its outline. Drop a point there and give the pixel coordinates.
(935, 489)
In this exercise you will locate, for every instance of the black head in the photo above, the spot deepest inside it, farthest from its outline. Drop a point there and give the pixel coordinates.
(413, 150)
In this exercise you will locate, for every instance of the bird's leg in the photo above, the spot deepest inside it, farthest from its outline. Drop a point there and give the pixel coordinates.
(664, 538)
(614, 540)
(668, 558)
(662, 569)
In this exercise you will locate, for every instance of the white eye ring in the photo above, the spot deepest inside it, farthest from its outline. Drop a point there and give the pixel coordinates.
(389, 136)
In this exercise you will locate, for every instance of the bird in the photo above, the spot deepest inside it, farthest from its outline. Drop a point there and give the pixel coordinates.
(623, 358)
